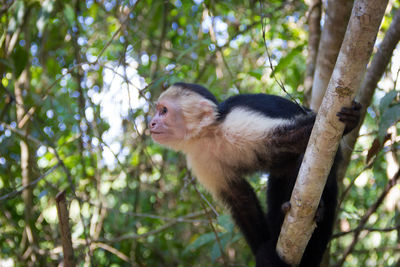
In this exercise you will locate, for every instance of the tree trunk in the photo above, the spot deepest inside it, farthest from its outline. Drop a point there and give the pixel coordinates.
(324, 140)
(27, 154)
(374, 73)
(336, 19)
(314, 33)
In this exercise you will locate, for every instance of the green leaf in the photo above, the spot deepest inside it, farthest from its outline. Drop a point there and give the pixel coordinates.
(200, 241)
(188, 50)
(225, 238)
(257, 73)
(288, 59)
(389, 117)
(20, 58)
(226, 222)
(215, 252)
(69, 14)
(387, 100)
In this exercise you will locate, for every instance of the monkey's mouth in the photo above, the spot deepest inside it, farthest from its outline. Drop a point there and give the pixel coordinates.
(153, 132)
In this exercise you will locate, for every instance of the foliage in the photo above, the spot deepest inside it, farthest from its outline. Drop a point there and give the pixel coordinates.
(89, 71)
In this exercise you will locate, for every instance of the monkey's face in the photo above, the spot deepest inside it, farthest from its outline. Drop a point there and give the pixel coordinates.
(167, 127)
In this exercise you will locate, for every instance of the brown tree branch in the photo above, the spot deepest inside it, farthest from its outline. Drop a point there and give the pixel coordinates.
(354, 55)
(374, 73)
(314, 35)
(336, 19)
(391, 183)
(63, 218)
(369, 229)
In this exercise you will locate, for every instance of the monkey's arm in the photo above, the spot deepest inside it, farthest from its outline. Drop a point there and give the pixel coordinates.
(246, 211)
(293, 137)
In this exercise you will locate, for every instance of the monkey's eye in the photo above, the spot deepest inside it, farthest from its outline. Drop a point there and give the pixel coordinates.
(163, 111)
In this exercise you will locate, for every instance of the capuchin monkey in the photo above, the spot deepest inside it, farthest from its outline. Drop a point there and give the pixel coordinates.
(225, 141)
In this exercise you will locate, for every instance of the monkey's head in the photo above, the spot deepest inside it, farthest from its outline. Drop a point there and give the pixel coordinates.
(183, 113)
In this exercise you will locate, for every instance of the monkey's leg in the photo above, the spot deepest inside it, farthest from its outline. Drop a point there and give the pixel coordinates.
(280, 186)
(246, 212)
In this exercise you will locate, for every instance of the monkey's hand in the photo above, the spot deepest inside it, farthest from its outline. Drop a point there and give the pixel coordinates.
(286, 207)
(350, 116)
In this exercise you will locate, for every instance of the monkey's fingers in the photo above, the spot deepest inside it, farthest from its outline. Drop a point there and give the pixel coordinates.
(347, 116)
(356, 105)
(286, 207)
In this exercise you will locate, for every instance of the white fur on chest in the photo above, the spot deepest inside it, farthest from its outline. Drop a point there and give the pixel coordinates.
(235, 143)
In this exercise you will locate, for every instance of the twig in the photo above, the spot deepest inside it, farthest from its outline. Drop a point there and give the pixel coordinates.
(155, 231)
(392, 182)
(369, 229)
(225, 259)
(65, 232)
(22, 188)
(277, 80)
(110, 249)
(115, 34)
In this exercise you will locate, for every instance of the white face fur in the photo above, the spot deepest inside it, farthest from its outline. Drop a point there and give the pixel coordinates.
(167, 127)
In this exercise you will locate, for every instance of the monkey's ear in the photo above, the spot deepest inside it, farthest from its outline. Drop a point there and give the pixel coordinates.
(208, 113)
(202, 114)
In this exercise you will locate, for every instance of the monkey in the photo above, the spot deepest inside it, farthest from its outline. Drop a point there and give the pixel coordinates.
(249, 133)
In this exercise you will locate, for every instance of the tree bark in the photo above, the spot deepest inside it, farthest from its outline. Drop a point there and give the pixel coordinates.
(336, 19)
(21, 91)
(373, 75)
(314, 35)
(354, 55)
(21, 85)
(63, 220)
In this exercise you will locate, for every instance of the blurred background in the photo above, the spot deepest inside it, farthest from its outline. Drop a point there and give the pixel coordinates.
(78, 80)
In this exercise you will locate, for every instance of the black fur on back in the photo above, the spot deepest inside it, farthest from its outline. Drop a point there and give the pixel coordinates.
(198, 89)
(270, 105)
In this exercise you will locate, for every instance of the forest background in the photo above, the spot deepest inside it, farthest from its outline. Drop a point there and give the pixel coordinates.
(78, 83)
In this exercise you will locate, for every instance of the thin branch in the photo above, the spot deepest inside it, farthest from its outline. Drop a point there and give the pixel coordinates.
(155, 231)
(33, 183)
(110, 249)
(273, 73)
(162, 39)
(225, 259)
(63, 219)
(391, 183)
(115, 34)
(369, 229)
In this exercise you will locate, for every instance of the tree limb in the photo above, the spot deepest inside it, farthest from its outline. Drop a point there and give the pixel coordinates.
(392, 182)
(374, 73)
(324, 140)
(336, 18)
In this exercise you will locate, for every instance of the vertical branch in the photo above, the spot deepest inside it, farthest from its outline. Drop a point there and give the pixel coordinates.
(162, 38)
(354, 55)
(65, 232)
(374, 73)
(21, 91)
(336, 19)
(314, 33)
